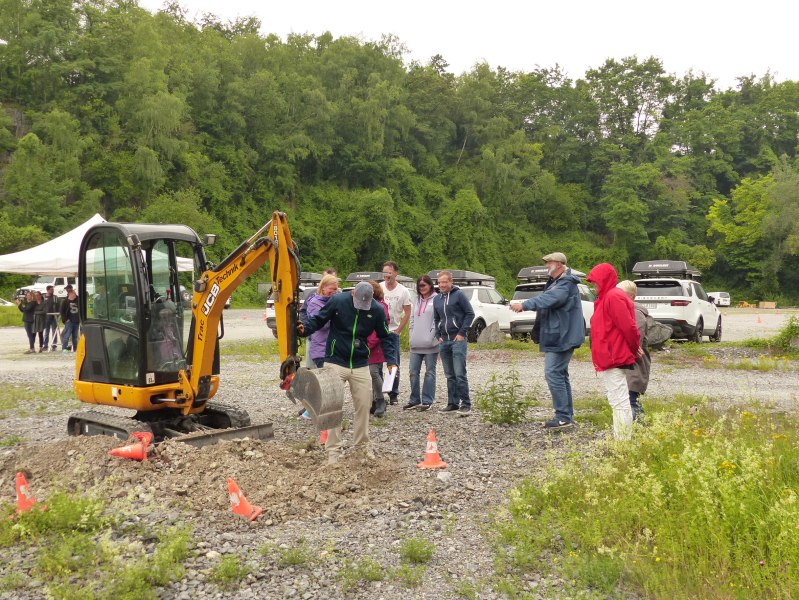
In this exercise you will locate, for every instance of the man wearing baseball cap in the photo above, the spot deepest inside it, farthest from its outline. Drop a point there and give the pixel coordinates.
(353, 317)
(558, 330)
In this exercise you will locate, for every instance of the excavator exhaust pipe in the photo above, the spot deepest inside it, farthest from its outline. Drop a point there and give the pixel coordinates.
(321, 392)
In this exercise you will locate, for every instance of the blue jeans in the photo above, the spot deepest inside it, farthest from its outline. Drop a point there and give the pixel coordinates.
(71, 330)
(556, 371)
(453, 360)
(50, 325)
(429, 386)
(30, 333)
(395, 341)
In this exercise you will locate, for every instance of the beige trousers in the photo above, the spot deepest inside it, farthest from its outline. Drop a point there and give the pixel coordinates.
(361, 389)
(615, 382)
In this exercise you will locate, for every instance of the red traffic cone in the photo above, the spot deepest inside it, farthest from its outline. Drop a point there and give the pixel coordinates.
(432, 459)
(323, 437)
(25, 498)
(239, 504)
(136, 451)
(145, 437)
(759, 320)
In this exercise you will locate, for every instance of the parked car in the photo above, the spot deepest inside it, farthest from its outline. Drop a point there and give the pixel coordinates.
(40, 285)
(672, 294)
(531, 284)
(720, 298)
(4, 302)
(488, 304)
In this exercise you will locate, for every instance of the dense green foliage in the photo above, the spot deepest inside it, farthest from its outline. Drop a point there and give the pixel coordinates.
(108, 108)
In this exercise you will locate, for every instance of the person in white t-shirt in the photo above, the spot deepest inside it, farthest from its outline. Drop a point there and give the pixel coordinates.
(398, 299)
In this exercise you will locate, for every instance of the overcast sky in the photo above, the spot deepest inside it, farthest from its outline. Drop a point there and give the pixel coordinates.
(725, 39)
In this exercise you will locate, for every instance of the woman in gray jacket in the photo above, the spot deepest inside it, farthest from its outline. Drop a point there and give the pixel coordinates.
(423, 343)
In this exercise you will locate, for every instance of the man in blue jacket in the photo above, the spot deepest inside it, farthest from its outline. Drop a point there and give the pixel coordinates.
(559, 329)
(353, 317)
(453, 315)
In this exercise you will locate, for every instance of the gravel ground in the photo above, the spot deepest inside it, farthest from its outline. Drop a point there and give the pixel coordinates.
(350, 512)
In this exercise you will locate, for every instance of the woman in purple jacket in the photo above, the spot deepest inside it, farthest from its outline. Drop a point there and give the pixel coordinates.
(317, 340)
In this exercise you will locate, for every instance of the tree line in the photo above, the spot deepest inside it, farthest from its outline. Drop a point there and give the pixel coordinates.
(155, 118)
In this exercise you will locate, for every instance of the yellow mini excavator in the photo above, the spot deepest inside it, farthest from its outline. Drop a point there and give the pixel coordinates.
(145, 347)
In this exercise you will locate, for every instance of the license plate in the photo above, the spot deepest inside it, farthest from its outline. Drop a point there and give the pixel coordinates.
(649, 305)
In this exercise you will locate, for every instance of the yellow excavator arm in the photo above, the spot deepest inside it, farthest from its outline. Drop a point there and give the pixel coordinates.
(273, 244)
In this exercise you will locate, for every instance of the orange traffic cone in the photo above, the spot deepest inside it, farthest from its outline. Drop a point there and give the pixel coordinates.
(145, 437)
(432, 459)
(759, 320)
(25, 499)
(239, 504)
(136, 451)
(323, 437)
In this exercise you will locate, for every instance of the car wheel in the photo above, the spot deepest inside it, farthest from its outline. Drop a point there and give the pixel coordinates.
(697, 336)
(716, 337)
(185, 295)
(475, 330)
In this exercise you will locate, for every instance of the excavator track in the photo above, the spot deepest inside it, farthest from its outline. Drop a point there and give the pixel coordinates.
(93, 422)
(219, 421)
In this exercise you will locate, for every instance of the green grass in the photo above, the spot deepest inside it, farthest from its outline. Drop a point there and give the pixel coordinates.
(35, 399)
(230, 572)
(10, 440)
(417, 550)
(354, 574)
(294, 556)
(697, 505)
(80, 555)
(11, 317)
(760, 363)
(250, 350)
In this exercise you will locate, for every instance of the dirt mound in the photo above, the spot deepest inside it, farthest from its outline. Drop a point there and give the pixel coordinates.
(288, 482)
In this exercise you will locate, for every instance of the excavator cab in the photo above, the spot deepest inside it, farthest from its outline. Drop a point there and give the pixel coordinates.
(148, 347)
(136, 324)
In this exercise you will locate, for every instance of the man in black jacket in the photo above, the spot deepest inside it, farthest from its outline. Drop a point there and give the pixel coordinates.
(51, 305)
(70, 316)
(353, 317)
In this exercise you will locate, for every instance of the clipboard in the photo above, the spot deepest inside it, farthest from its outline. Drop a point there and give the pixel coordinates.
(388, 380)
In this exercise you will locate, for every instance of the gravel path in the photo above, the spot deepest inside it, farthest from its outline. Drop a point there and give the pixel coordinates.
(349, 513)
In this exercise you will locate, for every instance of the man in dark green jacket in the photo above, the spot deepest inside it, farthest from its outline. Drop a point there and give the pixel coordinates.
(353, 317)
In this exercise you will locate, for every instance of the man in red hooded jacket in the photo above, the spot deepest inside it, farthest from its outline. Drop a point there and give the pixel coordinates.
(615, 344)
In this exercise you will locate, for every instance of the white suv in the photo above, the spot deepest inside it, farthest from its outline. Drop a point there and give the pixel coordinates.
(488, 304)
(532, 281)
(669, 291)
(308, 284)
(720, 298)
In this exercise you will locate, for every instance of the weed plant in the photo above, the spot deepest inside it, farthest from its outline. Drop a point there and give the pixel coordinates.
(696, 506)
(229, 572)
(294, 556)
(409, 576)
(353, 574)
(417, 550)
(501, 401)
(761, 363)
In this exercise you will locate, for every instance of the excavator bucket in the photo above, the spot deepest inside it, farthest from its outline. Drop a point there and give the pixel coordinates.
(321, 392)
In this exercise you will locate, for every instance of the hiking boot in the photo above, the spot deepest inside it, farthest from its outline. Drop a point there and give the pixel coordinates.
(449, 408)
(380, 408)
(424, 407)
(410, 406)
(557, 424)
(392, 399)
(464, 410)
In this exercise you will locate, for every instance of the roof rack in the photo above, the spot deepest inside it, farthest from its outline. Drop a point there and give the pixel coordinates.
(357, 276)
(532, 274)
(309, 278)
(461, 277)
(665, 268)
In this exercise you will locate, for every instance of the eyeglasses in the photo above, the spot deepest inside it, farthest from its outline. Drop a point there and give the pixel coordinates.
(387, 274)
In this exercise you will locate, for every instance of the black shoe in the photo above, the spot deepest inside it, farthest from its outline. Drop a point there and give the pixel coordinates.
(392, 400)
(380, 408)
(557, 424)
(424, 407)
(449, 408)
(410, 406)
(464, 410)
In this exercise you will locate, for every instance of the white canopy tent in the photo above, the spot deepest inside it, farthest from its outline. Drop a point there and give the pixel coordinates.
(59, 256)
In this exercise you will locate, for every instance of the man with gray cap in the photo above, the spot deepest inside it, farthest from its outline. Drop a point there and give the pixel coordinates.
(353, 317)
(559, 329)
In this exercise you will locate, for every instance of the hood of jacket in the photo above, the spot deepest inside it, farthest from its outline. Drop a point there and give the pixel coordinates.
(605, 278)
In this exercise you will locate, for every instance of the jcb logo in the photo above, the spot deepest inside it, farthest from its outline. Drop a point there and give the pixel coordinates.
(209, 302)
